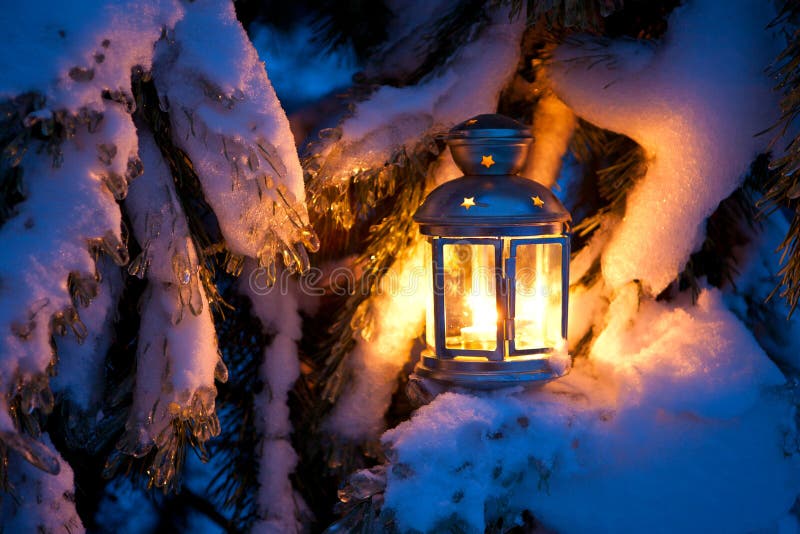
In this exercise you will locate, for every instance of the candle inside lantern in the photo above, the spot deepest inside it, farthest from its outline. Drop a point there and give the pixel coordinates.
(482, 333)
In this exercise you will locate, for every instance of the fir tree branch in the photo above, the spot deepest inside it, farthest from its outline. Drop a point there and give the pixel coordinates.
(205, 232)
(396, 190)
(782, 186)
(361, 24)
(234, 486)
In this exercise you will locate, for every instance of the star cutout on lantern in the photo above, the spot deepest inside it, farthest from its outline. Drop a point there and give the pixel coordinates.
(468, 202)
(538, 202)
(487, 161)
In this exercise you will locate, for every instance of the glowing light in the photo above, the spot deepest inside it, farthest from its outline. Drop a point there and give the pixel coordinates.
(482, 333)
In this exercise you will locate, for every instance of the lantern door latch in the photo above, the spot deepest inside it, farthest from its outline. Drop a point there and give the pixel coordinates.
(508, 330)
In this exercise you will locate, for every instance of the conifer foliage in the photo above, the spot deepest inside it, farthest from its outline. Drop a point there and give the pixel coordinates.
(148, 179)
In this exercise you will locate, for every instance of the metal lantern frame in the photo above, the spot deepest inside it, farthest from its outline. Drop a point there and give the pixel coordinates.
(492, 206)
(505, 282)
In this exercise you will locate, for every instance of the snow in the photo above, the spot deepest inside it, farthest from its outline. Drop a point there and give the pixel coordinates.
(676, 409)
(80, 370)
(72, 55)
(683, 102)
(698, 359)
(553, 124)
(49, 237)
(175, 365)
(41, 502)
(469, 85)
(277, 307)
(159, 223)
(225, 115)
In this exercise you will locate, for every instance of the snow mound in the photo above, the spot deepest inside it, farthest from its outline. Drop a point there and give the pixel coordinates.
(675, 423)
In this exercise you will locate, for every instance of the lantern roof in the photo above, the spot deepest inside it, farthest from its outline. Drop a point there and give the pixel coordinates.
(491, 199)
(470, 203)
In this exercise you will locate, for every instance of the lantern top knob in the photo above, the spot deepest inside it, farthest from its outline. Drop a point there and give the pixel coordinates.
(490, 126)
(489, 145)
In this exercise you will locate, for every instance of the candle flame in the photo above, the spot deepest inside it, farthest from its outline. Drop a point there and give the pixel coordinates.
(484, 312)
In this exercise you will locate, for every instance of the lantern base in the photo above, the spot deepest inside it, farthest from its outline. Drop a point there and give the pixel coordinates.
(479, 373)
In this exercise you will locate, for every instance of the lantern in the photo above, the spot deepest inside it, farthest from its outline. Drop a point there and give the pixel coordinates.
(499, 264)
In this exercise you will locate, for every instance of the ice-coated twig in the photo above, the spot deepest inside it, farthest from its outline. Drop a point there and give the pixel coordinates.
(237, 136)
(177, 356)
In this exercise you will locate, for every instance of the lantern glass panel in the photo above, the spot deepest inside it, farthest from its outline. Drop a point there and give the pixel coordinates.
(538, 296)
(470, 299)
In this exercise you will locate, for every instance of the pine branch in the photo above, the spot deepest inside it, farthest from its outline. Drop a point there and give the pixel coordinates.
(562, 15)
(24, 126)
(396, 189)
(234, 486)
(369, 215)
(359, 23)
(454, 28)
(782, 186)
(14, 139)
(162, 464)
(205, 232)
